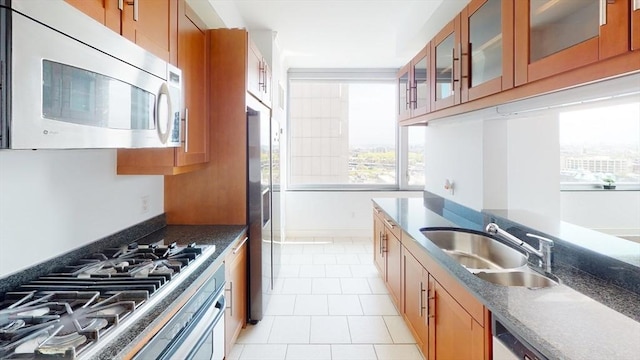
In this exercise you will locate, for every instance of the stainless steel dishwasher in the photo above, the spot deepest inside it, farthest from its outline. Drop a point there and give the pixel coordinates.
(508, 346)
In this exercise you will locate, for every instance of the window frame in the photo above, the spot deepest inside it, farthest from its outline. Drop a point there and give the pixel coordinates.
(401, 133)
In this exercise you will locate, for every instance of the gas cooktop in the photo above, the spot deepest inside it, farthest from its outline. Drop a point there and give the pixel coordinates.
(63, 313)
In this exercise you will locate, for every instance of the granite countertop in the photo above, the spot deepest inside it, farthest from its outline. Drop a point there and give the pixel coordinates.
(567, 321)
(222, 236)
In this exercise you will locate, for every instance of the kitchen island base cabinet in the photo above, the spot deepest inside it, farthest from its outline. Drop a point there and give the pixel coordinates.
(387, 253)
(446, 320)
(453, 333)
(415, 283)
(235, 316)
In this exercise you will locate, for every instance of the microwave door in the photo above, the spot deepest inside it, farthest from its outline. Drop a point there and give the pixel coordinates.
(71, 95)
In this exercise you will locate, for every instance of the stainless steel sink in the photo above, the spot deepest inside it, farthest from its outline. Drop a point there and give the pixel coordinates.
(517, 278)
(487, 258)
(476, 251)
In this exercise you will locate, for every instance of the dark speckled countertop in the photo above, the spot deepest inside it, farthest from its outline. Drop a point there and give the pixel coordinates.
(222, 236)
(582, 318)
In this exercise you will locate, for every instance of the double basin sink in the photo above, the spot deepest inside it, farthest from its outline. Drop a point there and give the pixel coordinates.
(487, 258)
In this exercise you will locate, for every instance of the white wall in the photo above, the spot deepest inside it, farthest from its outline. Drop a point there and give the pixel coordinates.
(612, 212)
(454, 151)
(495, 162)
(534, 164)
(52, 202)
(323, 213)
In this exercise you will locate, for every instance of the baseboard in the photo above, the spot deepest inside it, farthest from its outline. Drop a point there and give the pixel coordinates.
(328, 233)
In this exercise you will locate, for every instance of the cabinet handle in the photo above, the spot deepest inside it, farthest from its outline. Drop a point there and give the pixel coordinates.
(230, 307)
(135, 9)
(453, 71)
(186, 130)
(383, 240)
(414, 98)
(432, 297)
(237, 248)
(603, 10)
(120, 5)
(422, 307)
(262, 78)
(391, 225)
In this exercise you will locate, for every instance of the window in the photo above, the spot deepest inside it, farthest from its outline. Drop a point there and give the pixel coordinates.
(343, 134)
(601, 141)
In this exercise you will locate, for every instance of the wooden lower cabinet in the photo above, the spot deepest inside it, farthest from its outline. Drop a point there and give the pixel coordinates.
(235, 316)
(378, 241)
(446, 320)
(387, 253)
(415, 285)
(394, 265)
(453, 333)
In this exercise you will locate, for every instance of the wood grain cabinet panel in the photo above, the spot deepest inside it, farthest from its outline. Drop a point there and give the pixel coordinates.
(453, 333)
(415, 286)
(414, 94)
(551, 38)
(105, 12)
(235, 316)
(152, 24)
(446, 320)
(486, 54)
(194, 150)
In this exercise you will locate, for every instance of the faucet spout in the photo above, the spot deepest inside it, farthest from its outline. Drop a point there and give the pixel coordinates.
(544, 249)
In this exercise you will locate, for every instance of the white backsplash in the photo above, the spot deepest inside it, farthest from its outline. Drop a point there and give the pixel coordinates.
(54, 201)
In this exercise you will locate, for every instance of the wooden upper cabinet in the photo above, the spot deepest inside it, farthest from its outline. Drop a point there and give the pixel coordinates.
(445, 50)
(105, 12)
(413, 86)
(192, 59)
(152, 25)
(635, 25)
(258, 74)
(552, 37)
(194, 152)
(486, 48)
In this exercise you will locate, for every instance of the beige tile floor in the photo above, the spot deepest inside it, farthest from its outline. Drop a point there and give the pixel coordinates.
(328, 304)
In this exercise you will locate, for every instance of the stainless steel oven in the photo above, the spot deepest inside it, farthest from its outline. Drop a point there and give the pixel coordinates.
(196, 331)
(66, 81)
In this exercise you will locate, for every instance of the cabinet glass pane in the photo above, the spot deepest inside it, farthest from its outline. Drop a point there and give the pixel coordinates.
(485, 34)
(422, 85)
(403, 93)
(556, 25)
(444, 68)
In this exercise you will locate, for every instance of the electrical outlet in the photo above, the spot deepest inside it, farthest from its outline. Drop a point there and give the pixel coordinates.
(144, 204)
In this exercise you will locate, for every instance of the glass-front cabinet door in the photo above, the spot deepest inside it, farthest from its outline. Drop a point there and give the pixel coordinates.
(420, 102)
(487, 48)
(404, 93)
(553, 36)
(446, 90)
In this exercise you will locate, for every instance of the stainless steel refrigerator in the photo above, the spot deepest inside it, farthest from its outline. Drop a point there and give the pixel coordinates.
(264, 251)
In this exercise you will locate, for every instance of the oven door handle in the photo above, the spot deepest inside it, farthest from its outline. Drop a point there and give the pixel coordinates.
(189, 344)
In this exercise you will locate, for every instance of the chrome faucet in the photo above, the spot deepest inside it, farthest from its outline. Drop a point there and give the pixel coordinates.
(544, 245)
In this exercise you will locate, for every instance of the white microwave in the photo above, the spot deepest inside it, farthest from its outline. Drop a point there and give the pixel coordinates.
(68, 82)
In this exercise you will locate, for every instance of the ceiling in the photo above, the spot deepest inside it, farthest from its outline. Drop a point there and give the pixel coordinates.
(342, 33)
